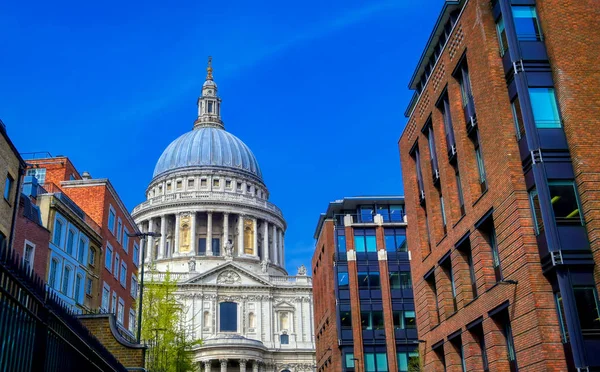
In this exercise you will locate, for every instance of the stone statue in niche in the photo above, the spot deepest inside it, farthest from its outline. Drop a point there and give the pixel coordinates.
(229, 249)
(302, 270)
(192, 265)
(264, 265)
(184, 233)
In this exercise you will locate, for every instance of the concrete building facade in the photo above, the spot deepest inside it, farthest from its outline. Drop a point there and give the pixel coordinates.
(500, 178)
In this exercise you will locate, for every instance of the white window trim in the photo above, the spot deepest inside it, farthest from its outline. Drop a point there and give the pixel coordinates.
(119, 231)
(107, 287)
(86, 248)
(63, 232)
(88, 280)
(112, 252)
(136, 257)
(125, 235)
(133, 289)
(113, 303)
(75, 240)
(31, 261)
(76, 296)
(117, 266)
(121, 305)
(123, 278)
(112, 228)
(131, 320)
(70, 282)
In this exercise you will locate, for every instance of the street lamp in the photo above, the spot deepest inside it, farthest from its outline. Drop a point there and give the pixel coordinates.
(142, 236)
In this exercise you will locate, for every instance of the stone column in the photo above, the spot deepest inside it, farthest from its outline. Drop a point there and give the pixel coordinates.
(275, 251)
(280, 241)
(255, 366)
(223, 365)
(255, 236)
(240, 235)
(243, 365)
(209, 234)
(176, 242)
(193, 240)
(150, 246)
(163, 236)
(265, 241)
(207, 366)
(225, 232)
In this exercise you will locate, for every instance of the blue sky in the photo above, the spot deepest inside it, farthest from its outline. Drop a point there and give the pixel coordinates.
(317, 89)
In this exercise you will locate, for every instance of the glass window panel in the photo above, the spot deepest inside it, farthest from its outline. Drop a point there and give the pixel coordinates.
(366, 320)
(374, 280)
(343, 282)
(397, 318)
(359, 244)
(526, 23)
(57, 232)
(377, 320)
(586, 299)
(381, 362)
(536, 211)
(502, 40)
(341, 243)
(545, 110)
(409, 320)
(70, 241)
(346, 319)
(390, 243)
(371, 243)
(395, 280)
(402, 362)
(366, 214)
(396, 213)
(349, 360)
(518, 118)
(363, 280)
(401, 243)
(370, 362)
(405, 280)
(564, 202)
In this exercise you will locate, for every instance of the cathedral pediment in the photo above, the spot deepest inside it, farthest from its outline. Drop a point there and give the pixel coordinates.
(229, 274)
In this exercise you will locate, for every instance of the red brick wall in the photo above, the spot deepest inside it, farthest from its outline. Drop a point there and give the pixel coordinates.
(57, 169)
(25, 229)
(328, 355)
(571, 36)
(532, 311)
(95, 201)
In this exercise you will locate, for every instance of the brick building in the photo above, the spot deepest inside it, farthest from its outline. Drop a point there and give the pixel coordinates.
(32, 238)
(364, 309)
(501, 178)
(11, 171)
(100, 205)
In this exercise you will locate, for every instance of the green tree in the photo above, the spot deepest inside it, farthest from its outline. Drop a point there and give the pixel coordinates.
(163, 329)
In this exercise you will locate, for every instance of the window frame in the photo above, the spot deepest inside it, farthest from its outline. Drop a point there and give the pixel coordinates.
(105, 290)
(111, 224)
(108, 257)
(28, 259)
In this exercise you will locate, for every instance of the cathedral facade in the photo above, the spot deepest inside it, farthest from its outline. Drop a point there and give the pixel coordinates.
(223, 241)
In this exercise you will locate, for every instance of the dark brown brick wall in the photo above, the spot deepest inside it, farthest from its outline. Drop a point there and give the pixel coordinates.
(532, 310)
(26, 229)
(328, 355)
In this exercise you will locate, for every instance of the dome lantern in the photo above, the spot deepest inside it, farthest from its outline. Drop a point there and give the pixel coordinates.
(209, 104)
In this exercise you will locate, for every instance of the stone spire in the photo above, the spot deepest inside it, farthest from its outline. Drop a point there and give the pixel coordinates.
(209, 104)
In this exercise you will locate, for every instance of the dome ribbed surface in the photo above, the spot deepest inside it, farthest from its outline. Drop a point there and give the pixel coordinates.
(208, 147)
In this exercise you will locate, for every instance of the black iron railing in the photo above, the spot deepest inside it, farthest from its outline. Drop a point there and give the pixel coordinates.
(37, 332)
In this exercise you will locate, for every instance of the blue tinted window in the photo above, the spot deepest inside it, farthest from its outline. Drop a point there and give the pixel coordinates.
(343, 282)
(526, 23)
(371, 243)
(545, 110)
(359, 243)
(284, 339)
(228, 317)
(341, 243)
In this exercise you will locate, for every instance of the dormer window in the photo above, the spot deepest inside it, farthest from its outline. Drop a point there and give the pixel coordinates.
(191, 184)
(239, 186)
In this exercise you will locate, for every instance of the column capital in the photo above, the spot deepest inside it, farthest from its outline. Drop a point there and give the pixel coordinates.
(223, 362)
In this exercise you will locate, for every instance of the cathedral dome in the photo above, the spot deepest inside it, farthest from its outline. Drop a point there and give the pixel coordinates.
(208, 147)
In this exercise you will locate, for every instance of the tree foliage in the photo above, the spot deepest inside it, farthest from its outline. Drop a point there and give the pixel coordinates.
(163, 328)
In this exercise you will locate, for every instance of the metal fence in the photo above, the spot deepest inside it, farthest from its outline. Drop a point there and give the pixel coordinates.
(38, 333)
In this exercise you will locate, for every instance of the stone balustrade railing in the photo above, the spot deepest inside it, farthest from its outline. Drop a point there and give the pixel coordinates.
(208, 195)
(277, 279)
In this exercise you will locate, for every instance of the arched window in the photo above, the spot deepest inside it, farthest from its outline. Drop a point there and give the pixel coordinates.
(228, 317)
(284, 339)
(206, 320)
(65, 280)
(284, 321)
(52, 276)
(77, 294)
(251, 320)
